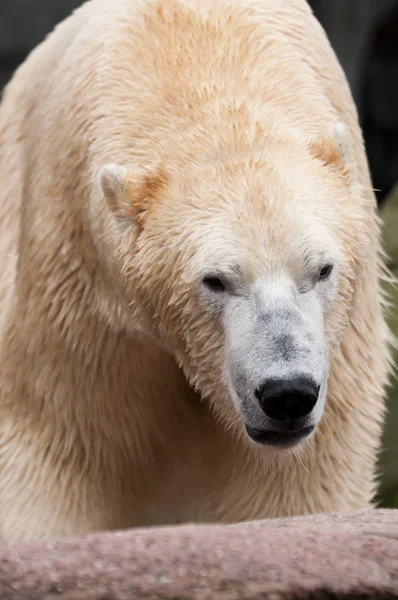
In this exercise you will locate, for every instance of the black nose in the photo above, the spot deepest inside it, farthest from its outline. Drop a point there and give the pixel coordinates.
(287, 399)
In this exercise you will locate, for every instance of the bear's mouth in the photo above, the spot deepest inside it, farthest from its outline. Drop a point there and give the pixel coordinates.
(280, 439)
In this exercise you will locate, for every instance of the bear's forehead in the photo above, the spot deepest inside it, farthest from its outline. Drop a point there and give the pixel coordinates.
(253, 245)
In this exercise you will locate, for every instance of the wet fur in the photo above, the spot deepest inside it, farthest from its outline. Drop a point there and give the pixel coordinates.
(99, 428)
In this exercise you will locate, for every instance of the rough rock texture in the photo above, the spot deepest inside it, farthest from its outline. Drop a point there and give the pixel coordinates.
(350, 555)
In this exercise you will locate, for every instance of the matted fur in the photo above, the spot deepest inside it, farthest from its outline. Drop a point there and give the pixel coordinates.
(99, 428)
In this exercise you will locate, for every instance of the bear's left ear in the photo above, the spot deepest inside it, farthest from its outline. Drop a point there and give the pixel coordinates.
(336, 149)
(130, 193)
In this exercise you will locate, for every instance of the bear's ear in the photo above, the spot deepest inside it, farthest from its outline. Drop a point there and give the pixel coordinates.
(336, 149)
(129, 193)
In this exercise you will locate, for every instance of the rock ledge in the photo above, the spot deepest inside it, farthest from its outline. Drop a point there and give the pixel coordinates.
(347, 555)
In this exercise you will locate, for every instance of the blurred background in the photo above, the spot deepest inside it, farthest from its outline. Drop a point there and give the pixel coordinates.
(364, 34)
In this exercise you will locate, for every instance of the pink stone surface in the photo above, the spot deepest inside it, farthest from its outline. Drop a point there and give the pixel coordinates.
(348, 555)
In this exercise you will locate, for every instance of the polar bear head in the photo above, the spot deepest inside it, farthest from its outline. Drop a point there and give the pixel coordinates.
(243, 265)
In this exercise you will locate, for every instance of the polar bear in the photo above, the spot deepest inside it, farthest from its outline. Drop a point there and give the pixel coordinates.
(191, 320)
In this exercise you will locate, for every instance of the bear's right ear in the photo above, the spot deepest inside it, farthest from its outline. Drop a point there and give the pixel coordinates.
(130, 193)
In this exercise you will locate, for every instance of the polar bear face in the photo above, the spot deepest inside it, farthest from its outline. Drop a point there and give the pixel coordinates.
(243, 268)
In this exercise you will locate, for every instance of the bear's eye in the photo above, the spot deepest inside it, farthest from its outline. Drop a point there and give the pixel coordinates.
(325, 272)
(214, 283)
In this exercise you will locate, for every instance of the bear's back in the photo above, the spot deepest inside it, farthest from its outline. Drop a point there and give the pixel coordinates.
(180, 62)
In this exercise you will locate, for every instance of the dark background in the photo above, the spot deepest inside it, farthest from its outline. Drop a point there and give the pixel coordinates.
(364, 34)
